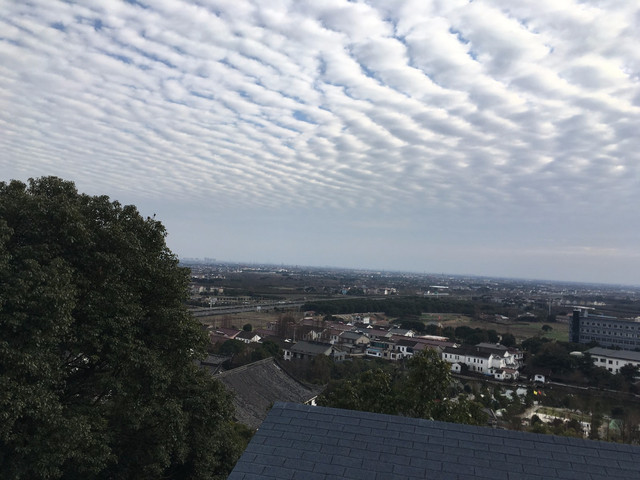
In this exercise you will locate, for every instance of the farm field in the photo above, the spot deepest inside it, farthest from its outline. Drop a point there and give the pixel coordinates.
(521, 330)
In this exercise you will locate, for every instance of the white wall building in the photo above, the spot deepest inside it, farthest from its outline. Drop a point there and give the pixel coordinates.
(613, 360)
(496, 360)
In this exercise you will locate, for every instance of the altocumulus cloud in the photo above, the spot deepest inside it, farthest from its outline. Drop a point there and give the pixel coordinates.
(435, 111)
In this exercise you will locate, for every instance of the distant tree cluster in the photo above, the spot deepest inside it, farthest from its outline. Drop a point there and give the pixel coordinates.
(555, 357)
(392, 307)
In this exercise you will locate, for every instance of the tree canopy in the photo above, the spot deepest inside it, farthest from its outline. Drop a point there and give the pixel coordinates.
(424, 390)
(97, 350)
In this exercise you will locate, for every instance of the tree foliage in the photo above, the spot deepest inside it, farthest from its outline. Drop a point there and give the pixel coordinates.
(392, 307)
(424, 391)
(97, 351)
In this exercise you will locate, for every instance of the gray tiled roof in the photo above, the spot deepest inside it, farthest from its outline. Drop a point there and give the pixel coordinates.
(318, 443)
(311, 348)
(620, 354)
(258, 385)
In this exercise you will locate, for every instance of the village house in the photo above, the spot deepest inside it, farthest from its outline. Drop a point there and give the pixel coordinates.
(488, 359)
(353, 338)
(405, 347)
(402, 332)
(221, 335)
(258, 385)
(306, 350)
(248, 337)
(511, 357)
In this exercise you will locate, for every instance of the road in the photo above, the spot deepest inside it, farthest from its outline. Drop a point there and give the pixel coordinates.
(229, 309)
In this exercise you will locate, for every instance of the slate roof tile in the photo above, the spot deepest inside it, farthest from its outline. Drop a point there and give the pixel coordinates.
(299, 475)
(471, 445)
(440, 475)
(564, 456)
(628, 465)
(408, 471)
(254, 468)
(350, 442)
(572, 475)
(505, 449)
(277, 472)
(488, 472)
(614, 454)
(329, 468)
(269, 460)
(299, 464)
(382, 468)
(582, 467)
(522, 460)
(425, 463)
(605, 462)
(457, 468)
(334, 449)
(381, 448)
(359, 474)
(346, 461)
(325, 443)
(475, 461)
(487, 439)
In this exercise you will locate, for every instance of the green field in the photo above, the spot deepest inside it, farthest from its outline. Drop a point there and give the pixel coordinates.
(521, 330)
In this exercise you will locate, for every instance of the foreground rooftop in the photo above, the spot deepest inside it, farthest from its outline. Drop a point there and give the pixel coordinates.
(318, 443)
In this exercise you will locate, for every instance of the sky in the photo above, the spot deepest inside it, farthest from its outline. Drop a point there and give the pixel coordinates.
(486, 137)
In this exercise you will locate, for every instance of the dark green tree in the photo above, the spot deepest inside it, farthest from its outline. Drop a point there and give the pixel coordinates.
(371, 391)
(428, 392)
(553, 356)
(508, 340)
(629, 372)
(424, 390)
(232, 347)
(97, 351)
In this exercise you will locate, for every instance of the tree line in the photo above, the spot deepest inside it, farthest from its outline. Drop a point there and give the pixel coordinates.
(392, 307)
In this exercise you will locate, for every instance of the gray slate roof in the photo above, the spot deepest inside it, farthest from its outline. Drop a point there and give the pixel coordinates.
(318, 443)
(258, 385)
(311, 348)
(621, 354)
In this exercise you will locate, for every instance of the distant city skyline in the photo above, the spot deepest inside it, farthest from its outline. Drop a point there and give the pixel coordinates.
(293, 267)
(490, 138)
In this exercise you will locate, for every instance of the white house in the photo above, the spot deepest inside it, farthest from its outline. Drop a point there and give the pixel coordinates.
(489, 359)
(613, 360)
(474, 358)
(248, 337)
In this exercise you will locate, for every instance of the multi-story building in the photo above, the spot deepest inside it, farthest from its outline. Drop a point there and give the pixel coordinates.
(605, 330)
(613, 360)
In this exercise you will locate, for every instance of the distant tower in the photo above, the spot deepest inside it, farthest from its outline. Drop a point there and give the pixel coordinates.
(574, 327)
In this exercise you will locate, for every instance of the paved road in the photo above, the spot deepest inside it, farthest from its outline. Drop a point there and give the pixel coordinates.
(262, 307)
